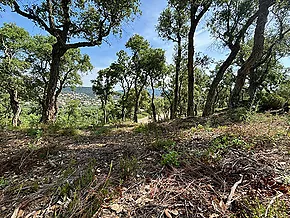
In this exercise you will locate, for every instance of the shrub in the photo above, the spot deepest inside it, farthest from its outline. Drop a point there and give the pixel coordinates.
(171, 159)
(37, 133)
(271, 102)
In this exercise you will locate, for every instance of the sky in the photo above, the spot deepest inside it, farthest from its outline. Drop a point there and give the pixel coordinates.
(144, 25)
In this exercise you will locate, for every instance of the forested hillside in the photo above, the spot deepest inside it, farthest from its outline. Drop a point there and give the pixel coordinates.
(169, 128)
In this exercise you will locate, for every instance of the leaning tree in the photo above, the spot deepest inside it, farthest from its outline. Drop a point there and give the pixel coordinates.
(74, 24)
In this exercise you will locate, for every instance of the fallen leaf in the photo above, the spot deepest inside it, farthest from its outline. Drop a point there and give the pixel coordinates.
(214, 215)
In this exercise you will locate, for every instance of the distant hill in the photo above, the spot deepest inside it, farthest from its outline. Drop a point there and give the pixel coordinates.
(80, 90)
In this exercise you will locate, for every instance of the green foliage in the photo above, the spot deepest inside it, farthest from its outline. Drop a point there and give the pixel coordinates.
(3, 182)
(73, 191)
(271, 101)
(171, 159)
(173, 22)
(36, 133)
(257, 209)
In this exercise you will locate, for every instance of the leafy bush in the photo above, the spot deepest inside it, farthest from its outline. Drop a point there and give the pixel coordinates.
(171, 159)
(271, 101)
(37, 133)
(239, 114)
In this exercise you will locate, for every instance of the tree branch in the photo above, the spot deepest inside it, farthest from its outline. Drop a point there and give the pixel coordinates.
(33, 17)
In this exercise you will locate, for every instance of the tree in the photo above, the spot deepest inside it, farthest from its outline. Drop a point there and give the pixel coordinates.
(153, 62)
(230, 23)
(275, 48)
(197, 9)
(172, 25)
(257, 51)
(71, 65)
(74, 24)
(123, 67)
(138, 44)
(103, 87)
(13, 65)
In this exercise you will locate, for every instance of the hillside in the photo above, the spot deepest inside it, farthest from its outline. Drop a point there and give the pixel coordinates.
(80, 90)
(188, 168)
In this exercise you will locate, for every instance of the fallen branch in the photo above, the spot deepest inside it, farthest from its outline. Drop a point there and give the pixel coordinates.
(233, 190)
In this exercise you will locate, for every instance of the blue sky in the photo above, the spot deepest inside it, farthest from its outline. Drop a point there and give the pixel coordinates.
(104, 55)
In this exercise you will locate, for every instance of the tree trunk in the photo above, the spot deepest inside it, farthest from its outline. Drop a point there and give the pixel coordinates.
(235, 48)
(190, 100)
(177, 72)
(210, 100)
(49, 113)
(123, 107)
(124, 99)
(195, 17)
(135, 117)
(257, 52)
(15, 106)
(137, 97)
(152, 103)
(253, 87)
(104, 107)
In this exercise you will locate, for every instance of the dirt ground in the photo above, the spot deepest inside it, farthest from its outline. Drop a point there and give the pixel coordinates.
(185, 168)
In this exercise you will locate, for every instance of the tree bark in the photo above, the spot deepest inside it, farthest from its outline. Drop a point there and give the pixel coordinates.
(105, 111)
(190, 89)
(152, 103)
(177, 72)
(209, 105)
(15, 106)
(49, 113)
(257, 52)
(137, 97)
(195, 17)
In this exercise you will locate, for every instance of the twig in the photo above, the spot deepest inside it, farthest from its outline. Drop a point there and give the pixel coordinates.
(272, 202)
(233, 189)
